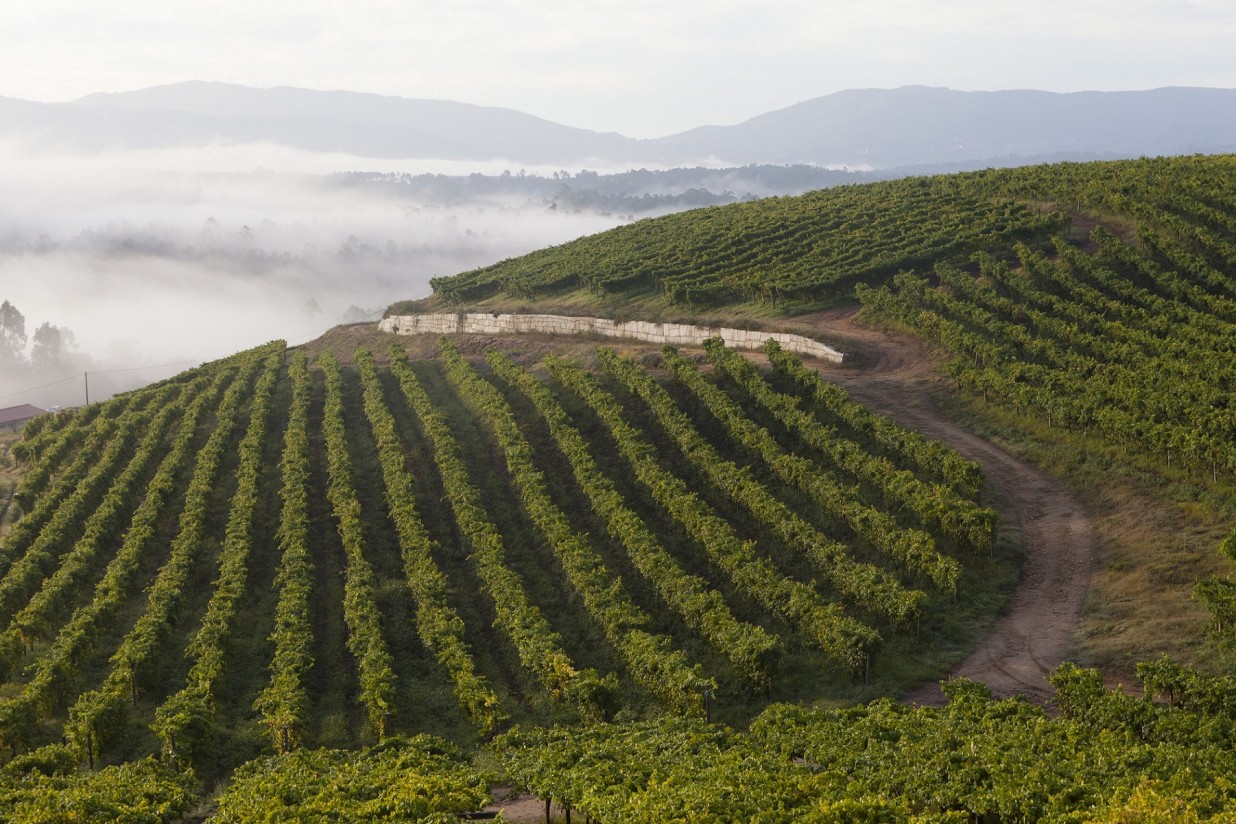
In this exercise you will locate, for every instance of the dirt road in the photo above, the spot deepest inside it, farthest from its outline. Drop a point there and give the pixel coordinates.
(894, 376)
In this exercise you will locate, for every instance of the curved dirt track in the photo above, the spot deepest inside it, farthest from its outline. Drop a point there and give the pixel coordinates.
(894, 375)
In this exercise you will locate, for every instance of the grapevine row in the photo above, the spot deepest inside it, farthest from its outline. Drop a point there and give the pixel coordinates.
(283, 703)
(186, 714)
(58, 664)
(934, 504)
(439, 626)
(81, 509)
(539, 648)
(748, 646)
(98, 715)
(28, 528)
(360, 607)
(843, 638)
(651, 659)
(774, 250)
(43, 432)
(33, 619)
(40, 507)
(873, 588)
(913, 549)
(933, 457)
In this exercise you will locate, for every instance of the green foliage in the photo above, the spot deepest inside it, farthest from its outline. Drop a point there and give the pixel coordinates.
(975, 759)
(283, 702)
(783, 250)
(539, 647)
(137, 792)
(48, 546)
(55, 668)
(912, 550)
(439, 626)
(889, 456)
(842, 637)
(184, 719)
(417, 779)
(652, 659)
(1128, 337)
(752, 650)
(360, 609)
(1129, 340)
(99, 715)
(872, 588)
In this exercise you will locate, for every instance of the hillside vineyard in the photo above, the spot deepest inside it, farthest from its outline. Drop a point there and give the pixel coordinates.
(353, 582)
(1096, 296)
(336, 554)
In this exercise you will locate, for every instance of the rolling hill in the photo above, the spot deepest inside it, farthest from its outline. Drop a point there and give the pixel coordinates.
(579, 558)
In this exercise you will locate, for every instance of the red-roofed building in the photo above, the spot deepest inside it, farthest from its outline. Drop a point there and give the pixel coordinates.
(15, 417)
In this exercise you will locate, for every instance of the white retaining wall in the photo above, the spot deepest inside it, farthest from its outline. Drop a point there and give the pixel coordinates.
(674, 333)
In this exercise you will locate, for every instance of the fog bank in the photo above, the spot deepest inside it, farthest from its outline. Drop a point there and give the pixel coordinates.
(175, 257)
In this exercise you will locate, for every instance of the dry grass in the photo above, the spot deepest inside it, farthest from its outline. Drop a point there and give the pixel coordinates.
(1158, 532)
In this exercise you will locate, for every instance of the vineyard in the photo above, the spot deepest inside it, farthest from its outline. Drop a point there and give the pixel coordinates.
(273, 554)
(782, 250)
(1129, 338)
(371, 577)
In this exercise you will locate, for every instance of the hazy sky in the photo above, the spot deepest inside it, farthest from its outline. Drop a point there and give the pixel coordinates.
(644, 68)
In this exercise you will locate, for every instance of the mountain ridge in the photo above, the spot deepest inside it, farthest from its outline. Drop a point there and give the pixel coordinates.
(856, 128)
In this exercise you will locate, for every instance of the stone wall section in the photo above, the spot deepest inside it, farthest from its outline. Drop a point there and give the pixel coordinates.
(677, 334)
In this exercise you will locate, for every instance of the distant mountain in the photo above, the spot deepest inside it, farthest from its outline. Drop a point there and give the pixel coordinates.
(923, 126)
(368, 125)
(913, 126)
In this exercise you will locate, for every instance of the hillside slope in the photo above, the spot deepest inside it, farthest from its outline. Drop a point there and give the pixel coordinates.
(352, 544)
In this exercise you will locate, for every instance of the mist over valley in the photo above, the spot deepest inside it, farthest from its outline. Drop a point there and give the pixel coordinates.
(181, 223)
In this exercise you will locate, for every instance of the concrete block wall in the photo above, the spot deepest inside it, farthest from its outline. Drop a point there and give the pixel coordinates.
(673, 333)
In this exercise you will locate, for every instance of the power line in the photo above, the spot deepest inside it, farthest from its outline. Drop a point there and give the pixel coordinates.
(140, 368)
(37, 388)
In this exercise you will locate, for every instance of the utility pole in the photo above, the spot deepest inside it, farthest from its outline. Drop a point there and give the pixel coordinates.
(86, 375)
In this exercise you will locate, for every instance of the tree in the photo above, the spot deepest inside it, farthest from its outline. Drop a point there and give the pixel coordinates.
(12, 333)
(51, 343)
(354, 314)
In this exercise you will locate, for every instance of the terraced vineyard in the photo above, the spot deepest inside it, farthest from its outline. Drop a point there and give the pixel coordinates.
(269, 554)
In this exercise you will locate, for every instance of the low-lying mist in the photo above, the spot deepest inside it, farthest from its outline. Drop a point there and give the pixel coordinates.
(144, 260)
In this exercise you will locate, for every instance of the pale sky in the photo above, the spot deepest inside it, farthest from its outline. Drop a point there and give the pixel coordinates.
(644, 68)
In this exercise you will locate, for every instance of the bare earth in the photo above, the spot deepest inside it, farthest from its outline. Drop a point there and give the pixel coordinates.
(894, 376)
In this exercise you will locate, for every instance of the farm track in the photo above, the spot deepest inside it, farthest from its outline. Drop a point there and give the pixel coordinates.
(894, 375)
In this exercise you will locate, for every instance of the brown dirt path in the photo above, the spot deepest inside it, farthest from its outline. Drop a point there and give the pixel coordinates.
(894, 374)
